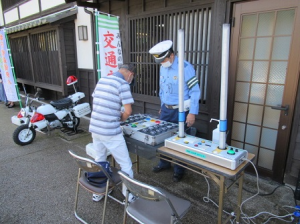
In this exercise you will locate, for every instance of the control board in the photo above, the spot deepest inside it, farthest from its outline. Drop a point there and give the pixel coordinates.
(230, 157)
(147, 129)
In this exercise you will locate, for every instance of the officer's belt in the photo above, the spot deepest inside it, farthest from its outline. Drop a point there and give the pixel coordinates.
(172, 106)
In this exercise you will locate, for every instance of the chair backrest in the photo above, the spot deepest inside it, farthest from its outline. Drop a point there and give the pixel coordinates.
(145, 191)
(89, 165)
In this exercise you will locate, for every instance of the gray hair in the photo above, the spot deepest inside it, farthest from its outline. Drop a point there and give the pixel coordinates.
(128, 66)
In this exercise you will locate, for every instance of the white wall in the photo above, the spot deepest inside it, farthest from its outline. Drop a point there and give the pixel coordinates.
(84, 48)
(46, 4)
(1, 17)
(30, 8)
(11, 15)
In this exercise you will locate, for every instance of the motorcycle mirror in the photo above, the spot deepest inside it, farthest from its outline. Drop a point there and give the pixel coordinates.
(38, 92)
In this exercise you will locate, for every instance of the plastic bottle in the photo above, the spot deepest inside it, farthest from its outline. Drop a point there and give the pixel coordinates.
(216, 135)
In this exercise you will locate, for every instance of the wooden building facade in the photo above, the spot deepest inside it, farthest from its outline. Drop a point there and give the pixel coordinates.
(263, 110)
(263, 98)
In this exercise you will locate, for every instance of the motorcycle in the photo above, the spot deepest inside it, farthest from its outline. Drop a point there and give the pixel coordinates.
(25, 114)
(63, 113)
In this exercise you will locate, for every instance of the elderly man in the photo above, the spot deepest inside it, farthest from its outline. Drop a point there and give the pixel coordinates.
(111, 93)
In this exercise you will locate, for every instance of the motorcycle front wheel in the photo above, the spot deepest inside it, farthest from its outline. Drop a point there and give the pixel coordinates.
(24, 135)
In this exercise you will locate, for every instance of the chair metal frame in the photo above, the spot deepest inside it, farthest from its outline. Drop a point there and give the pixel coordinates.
(89, 165)
(153, 194)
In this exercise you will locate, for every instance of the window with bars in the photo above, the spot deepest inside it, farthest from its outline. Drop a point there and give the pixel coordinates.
(46, 41)
(21, 57)
(44, 62)
(45, 54)
(146, 32)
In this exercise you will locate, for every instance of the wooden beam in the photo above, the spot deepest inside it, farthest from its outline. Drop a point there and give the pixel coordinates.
(89, 5)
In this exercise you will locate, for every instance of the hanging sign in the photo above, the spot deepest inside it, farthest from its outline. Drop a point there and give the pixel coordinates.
(6, 70)
(110, 49)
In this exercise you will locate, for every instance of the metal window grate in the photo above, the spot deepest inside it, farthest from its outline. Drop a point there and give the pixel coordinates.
(147, 31)
(20, 56)
(45, 54)
(46, 41)
(40, 62)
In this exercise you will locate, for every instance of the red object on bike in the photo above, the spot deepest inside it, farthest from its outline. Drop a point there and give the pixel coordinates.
(71, 80)
(19, 115)
(37, 117)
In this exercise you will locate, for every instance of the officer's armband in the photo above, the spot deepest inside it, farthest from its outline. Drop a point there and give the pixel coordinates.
(192, 82)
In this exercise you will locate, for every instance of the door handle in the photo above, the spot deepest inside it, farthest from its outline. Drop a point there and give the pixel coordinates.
(286, 109)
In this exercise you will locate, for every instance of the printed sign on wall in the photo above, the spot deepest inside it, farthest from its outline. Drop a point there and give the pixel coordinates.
(110, 49)
(6, 70)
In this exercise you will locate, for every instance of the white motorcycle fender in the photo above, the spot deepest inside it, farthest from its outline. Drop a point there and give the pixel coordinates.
(19, 121)
(46, 109)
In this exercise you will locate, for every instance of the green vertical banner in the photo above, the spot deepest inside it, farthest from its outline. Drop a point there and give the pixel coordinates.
(109, 49)
(7, 70)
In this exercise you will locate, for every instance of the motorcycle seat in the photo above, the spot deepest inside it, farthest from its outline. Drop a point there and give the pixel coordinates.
(62, 103)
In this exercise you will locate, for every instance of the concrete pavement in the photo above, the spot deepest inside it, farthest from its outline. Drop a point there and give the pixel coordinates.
(38, 184)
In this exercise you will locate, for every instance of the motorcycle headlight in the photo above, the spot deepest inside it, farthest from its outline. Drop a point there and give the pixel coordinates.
(23, 112)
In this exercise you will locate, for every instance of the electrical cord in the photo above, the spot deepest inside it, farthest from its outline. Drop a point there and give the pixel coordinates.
(207, 199)
(248, 219)
(273, 191)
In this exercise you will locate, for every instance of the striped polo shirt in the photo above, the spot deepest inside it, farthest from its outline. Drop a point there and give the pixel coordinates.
(110, 94)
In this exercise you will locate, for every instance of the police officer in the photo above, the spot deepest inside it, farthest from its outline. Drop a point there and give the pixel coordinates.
(164, 55)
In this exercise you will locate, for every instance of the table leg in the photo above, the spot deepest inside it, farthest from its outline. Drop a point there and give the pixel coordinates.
(113, 161)
(238, 213)
(137, 164)
(221, 198)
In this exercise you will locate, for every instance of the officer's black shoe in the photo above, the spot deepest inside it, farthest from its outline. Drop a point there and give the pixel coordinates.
(177, 177)
(158, 168)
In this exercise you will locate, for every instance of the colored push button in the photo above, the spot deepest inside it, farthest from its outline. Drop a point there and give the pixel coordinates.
(133, 125)
(217, 151)
(176, 139)
(157, 122)
(147, 119)
(186, 142)
(203, 141)
(152, 120)
(231, 151)
(196, 145)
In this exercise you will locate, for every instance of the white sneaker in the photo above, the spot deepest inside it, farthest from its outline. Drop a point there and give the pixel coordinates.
(131, 198)
(97, 197)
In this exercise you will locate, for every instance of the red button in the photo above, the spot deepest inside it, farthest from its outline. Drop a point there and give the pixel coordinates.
(157, 122)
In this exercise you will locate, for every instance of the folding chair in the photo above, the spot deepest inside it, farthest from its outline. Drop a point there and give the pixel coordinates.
(152, 205)
(89, 165)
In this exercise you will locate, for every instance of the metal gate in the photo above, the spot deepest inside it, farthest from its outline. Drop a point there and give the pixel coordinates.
(147, 31)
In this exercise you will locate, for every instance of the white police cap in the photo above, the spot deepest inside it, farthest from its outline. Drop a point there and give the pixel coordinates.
(161, 50)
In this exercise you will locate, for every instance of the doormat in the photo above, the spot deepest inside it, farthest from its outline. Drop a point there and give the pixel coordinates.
(70, 131)
(70, 134)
